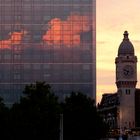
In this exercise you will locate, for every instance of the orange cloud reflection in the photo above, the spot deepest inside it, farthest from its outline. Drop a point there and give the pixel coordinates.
(15, 39)
(67, 32)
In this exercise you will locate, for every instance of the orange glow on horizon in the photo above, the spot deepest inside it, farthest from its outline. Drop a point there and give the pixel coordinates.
(67, 32)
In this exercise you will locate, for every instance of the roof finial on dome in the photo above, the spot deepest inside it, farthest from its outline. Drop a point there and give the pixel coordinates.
(126, 47)
(126, 35)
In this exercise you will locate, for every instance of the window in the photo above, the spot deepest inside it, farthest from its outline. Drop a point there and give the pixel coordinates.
(17, 56)
(7, 56)
(17, 48)
(130, 124)
(17, 17)
(46, 17)
(127, 91)
(17, 27)
(47, 75)
(16, 76)
(47, 66)
(86, 67)
(17, 67)
(36, 66)
(27, 66)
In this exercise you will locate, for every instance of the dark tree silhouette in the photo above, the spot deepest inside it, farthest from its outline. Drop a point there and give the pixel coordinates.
(37, 114)
(81, 120)
(4, 113)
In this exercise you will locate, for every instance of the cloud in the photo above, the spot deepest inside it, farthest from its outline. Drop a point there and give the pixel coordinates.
(59, 32)
(67, 32)
(14, 39)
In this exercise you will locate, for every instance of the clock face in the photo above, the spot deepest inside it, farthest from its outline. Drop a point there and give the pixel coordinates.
(128, 71)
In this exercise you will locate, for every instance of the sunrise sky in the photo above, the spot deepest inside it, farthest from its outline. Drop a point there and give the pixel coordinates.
(113, 18)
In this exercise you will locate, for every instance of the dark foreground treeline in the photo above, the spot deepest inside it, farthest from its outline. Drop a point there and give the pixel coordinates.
(37, 116)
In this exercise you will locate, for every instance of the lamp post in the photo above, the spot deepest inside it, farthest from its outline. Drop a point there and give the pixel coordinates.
(61, 126)
(120, 137)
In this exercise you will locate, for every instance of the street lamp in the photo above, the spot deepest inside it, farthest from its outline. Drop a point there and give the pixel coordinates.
(61, 126)
(120, 137)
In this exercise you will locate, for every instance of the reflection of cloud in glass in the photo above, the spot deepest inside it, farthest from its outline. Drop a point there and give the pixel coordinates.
(67, 32)
(59, 32)
(15, 39)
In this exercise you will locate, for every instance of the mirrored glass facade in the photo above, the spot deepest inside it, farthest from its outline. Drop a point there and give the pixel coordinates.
(47, 40)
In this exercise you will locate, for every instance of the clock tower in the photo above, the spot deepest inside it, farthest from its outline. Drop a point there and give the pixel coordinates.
(126, 79)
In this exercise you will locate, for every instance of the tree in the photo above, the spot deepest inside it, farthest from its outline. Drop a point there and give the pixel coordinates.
(4, 113)
(37, 114)
(81, 120)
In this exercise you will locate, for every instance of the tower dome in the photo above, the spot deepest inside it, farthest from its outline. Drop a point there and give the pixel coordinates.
(126, 47)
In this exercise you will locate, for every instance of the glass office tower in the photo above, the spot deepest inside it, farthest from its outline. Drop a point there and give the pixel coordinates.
(47, 40)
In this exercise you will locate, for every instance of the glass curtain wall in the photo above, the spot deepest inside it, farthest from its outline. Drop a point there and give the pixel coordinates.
(47, 40)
